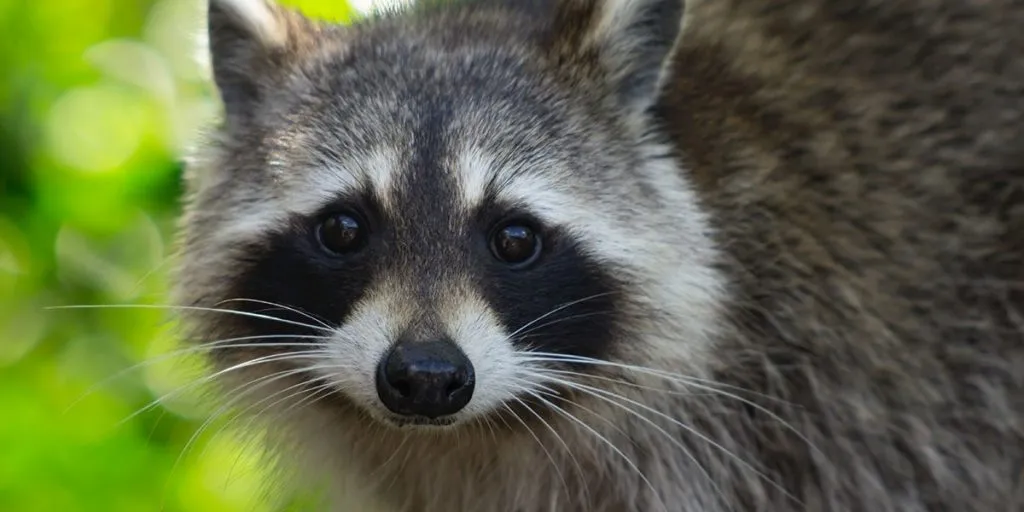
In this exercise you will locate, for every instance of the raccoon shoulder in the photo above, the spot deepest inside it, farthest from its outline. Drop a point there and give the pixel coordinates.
(864, 167)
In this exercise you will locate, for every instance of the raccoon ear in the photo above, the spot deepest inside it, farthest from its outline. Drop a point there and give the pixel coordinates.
(251, 42)
(633, 41)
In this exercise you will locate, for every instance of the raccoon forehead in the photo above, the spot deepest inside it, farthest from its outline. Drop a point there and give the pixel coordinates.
(373, 130)
(474, 150)
(467, 179)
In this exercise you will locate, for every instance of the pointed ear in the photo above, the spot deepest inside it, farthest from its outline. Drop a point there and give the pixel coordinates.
(632, 41)
(252, 44)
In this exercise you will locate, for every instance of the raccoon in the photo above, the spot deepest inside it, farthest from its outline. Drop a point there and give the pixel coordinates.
(621, 255)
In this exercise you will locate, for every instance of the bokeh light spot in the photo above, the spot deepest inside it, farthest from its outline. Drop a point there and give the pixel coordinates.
(175, 29)
(230, 471)
(134, 63)
(15, 258)
(119, 265)
(96, 129)
(21, 329)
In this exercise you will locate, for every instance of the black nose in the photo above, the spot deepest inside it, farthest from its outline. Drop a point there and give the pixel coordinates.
(425, 378)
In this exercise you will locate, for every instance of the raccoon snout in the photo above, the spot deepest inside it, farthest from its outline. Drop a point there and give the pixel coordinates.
(425, 378)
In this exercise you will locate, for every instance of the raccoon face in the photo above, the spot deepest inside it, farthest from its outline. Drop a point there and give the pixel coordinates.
(428, 213)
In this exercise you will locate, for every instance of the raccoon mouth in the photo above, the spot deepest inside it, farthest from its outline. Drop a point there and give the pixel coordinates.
(410, 422)
(378, 415)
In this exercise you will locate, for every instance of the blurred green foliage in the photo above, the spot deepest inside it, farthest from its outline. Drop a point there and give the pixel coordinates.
(98, 101)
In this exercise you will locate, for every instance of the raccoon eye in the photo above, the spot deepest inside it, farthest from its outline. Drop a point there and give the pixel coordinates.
(341, 233)
(515, 244)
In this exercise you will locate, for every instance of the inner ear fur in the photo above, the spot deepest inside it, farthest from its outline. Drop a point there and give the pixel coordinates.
(629, 41)
(253, 44)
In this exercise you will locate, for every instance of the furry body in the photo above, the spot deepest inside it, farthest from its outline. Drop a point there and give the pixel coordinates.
(813, 210)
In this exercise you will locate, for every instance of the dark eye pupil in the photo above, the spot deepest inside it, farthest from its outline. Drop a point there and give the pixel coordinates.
(340, 233)
(515, 244)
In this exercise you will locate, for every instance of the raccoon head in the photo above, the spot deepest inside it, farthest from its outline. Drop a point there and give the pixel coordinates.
(424, 213)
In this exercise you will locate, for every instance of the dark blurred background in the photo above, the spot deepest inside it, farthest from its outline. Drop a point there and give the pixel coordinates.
(99, 99)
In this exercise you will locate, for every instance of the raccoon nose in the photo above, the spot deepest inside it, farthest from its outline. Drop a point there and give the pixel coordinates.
(425, 378)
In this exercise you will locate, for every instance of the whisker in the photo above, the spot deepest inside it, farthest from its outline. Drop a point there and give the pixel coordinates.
(325, 385)
(551, 458)
(568, 358)
(702, 384)
(547, 391)
(568, 451)
(217, 414)
(193, 308)
(657, 427)
(209, 346)
(611, 445)
(282, 306)
(255, 384)
(215, 375)
(609, 396)
(489, 422)
(624, 382)
(555, 310)
(380, 469)
(401, 467)
(242, 390)
(525, 334)
(314, 394)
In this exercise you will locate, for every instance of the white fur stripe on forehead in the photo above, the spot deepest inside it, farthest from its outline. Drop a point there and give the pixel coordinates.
(375, 171)
(257, 17)
(475, 170)
(606, 230)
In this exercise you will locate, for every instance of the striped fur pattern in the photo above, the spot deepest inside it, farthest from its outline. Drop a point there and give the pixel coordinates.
(782, 250)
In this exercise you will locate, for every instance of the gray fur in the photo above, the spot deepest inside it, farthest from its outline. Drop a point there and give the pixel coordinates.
(816, 208)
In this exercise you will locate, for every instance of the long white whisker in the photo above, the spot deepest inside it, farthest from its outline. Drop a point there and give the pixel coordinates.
(526, 334)
(215, 375)
(610, 397)
(232, 399)
(242, 391)
(318, 387)
(489, 422)
(547, 391)
(555, 310)
(611, 445)
(245, 389)
(380, 468)
(401, 466)
(565, 445)
(558, 470)
(647, 420)
(702, 384)
(194, 308)
(253, 385)
(567, 358)
(204, 347)
(624, 382)
(282, 306)
(312, 395)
